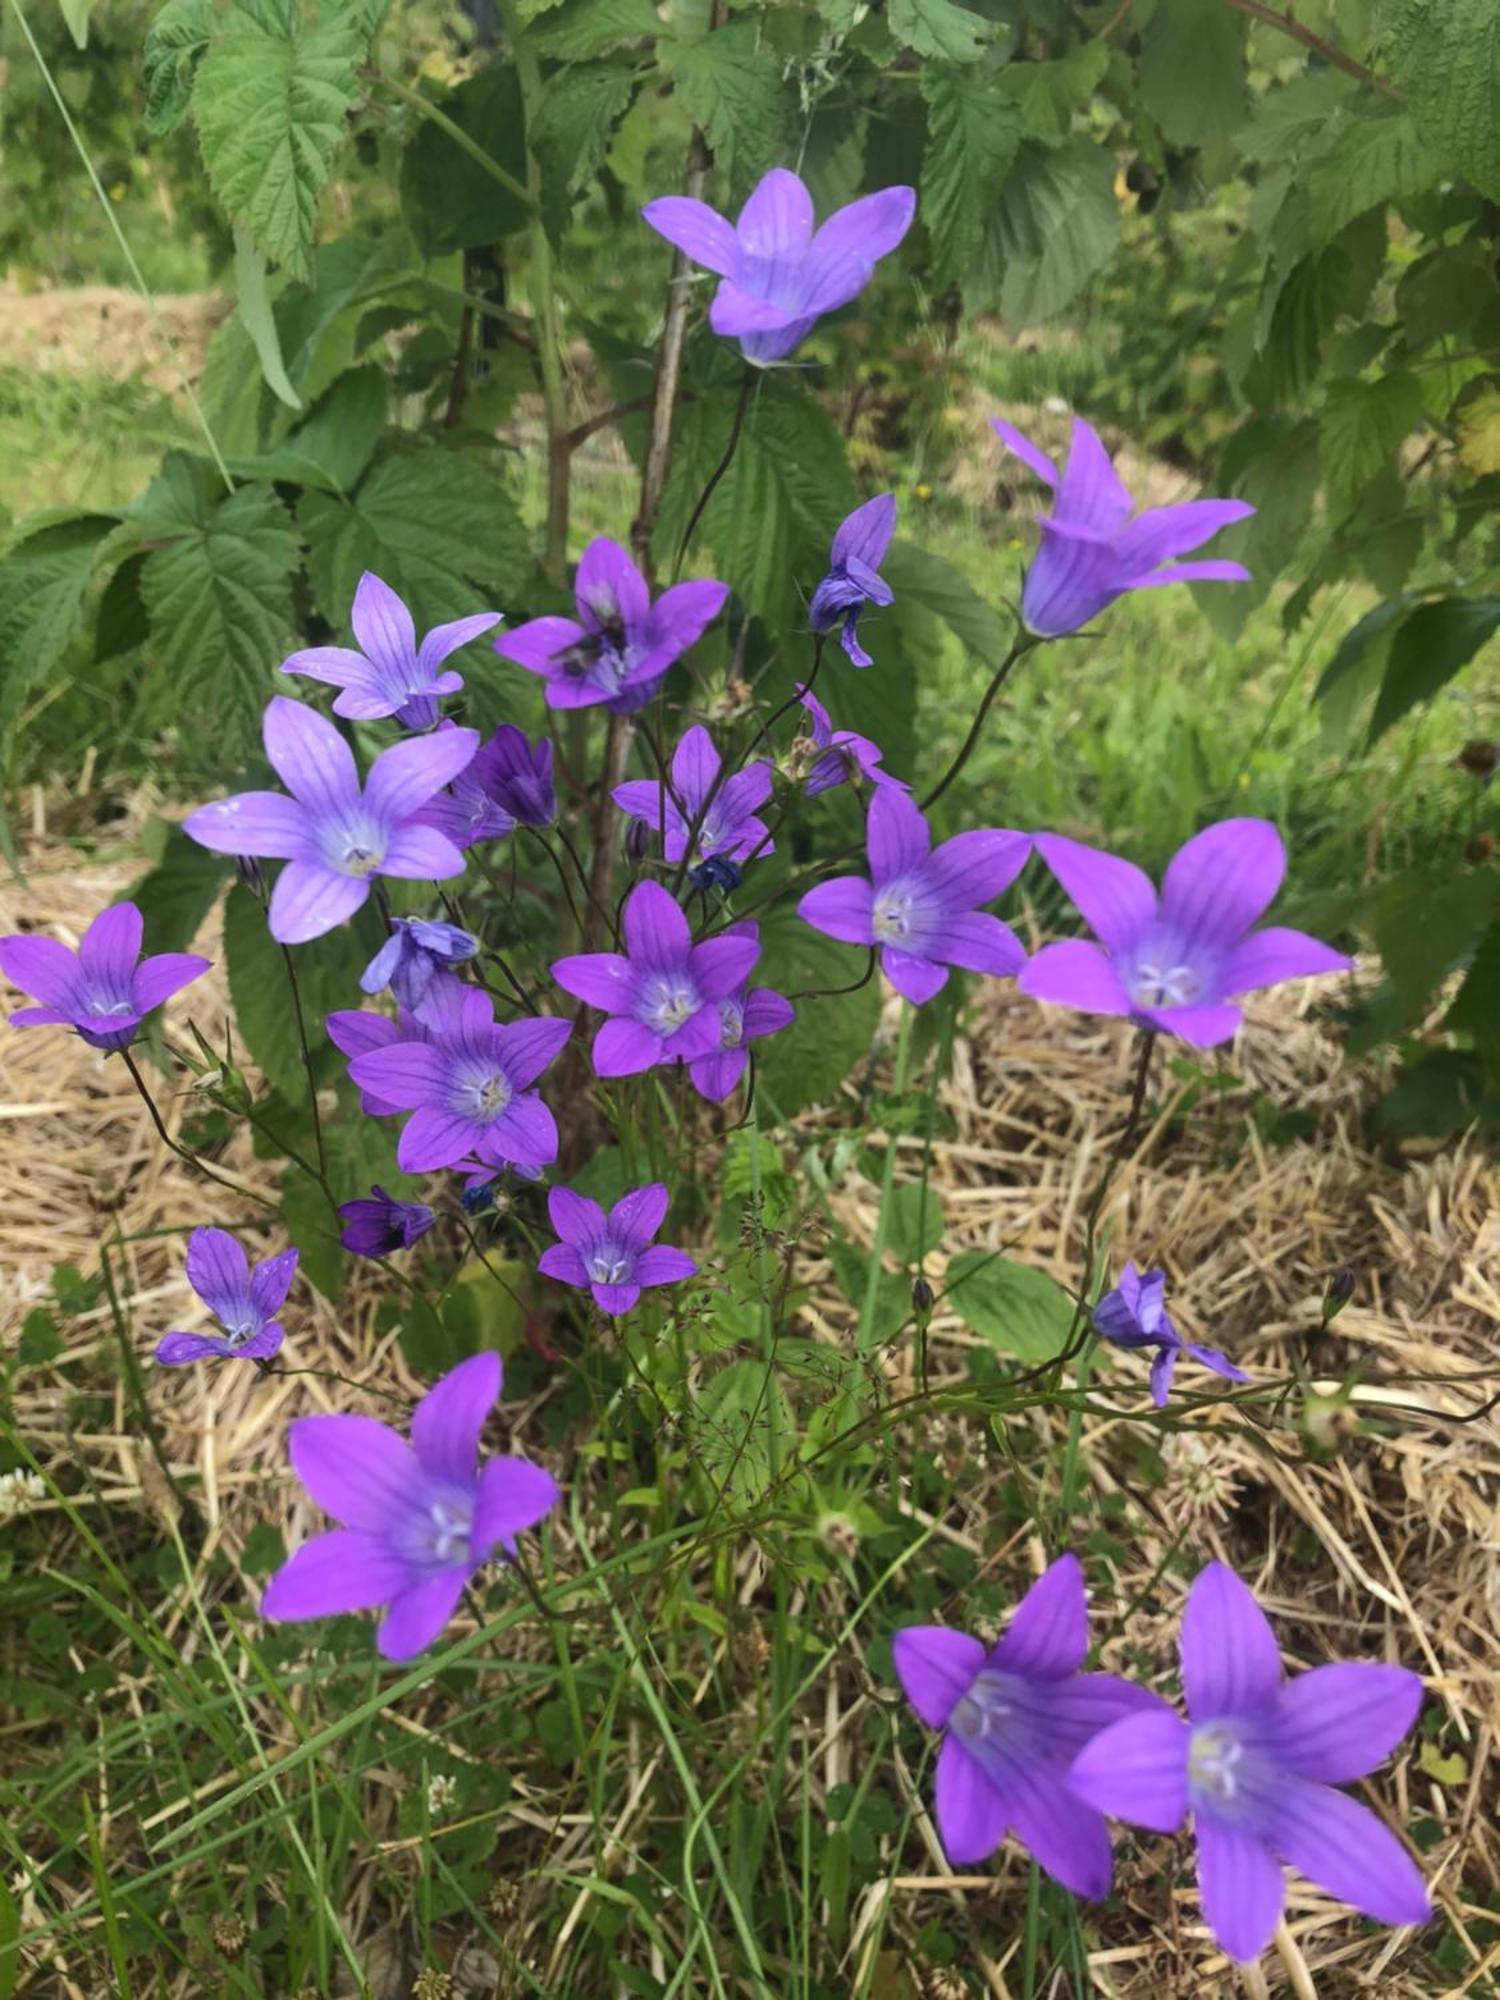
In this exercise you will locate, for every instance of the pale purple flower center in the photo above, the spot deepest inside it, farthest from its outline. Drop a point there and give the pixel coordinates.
(668, 1001)
(353, 842)
(439, 1530)
(1156, 982)
(902, 914)
(479, 1090)
(609, 1263)
(731, 1024)
(101, 1004)
(1217, 1767)
(994, 1711)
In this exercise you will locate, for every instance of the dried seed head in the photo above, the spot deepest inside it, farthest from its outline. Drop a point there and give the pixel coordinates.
(431, 1984)
(442, 1793)
(229, 1935)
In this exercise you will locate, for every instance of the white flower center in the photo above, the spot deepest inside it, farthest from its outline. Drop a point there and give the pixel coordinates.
(731, 1025)
(891, 917)
(482, 1093)
(609, 1266)
(448, 1531)
(668, 1001)
(1213, 1754)
(984, 1712)
(1158, 985)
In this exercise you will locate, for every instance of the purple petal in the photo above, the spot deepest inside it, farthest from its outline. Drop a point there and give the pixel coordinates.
(981, 943)
(1216, 1359)
(405, 1074)
(896, 835)
(656, 930)
(1336, 1842)
(609, 587)
(157, 979)
(916, 979)
(600, 978)
(446, 1424)
(334, 666)
(405, 777)
(865, 535)
(435, 1137)
(419, 1613)
(616, 1300)
(174, 1349)
(695, 766)
(356, 1469)
(1162, 532)
(695, 229)
(841, 909)
(383, 626)
(219, 1271)
(1049, 1634)
(1203, 1027)
(1242, 1886)
(1091, 495)
(268, 824)
(536, 644)
(563, 1262)
(936, 1667)
(775, 225)
(261, 1346)
(309, 900)
(700, 1035)
(625, 1048)
(973, 868)
(513, 1495)
(525, 1132)
(1230, 1660)
(356, 1031)
(271, 1281)
(342, 1571)
(679, 619)
(1074, 577)
(869, 228)
(636, 1217)
(734, 312)
(527, 1047)
(111, 945)
(662, 1264)
(1136, 1770)
(1163, 1368)
(972, 1814)
(1192, 572)
(445, 639)
(1029, 454)
(1066, 1836)
(421, 853)
(1221, 882)
(715, 1076)
(722, 963)
(1336, 1723)
(43, 967)
(765, 1013)
(1266, 957)
(1114, 897)
(309, 756)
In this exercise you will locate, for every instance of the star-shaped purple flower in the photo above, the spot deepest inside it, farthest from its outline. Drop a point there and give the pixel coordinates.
(844, 752)
(419, 1519)
(662, 994)
(921, 907)
(854, 578)
(104, 990)
(416, 951)
(377, 1223)
(1257, 1765)
(333, 833)
(390, 674)
(1135, 1314)
(244, 1302)
(780, 275)
(1176, 962)
(620, 645)
(517, 775)
(465, 1080)
(745, 1015)
(1013, 1719)
(355, 1031)
(1092, 551)
(612, 1255)
(723, 814)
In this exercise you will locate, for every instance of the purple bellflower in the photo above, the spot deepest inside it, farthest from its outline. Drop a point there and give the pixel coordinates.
(517, 775)
(377, 1223)
(854, 578)
(663, 994)
(412, 956)
(724, 814)
(390, 674)
(333, 833)
(780, 276)
(1134, 1314)
(105, 989)
(465, 811)
(244, 1302)
(356, 1031)
(1175, 962)
(613, 1255)
(465, 1080)
(1013, 1719)
(1257, 1765)
(1092, 551)
(843, 752)
(921, 907)
(620, 645)
(744, 1016)
(419, 1519)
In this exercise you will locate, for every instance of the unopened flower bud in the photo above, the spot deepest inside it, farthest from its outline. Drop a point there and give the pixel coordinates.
(923, 1299)
(1480, 758)
(1340, 1291)
(232, 1091)
(478, 1199)
(637, 842)
(250, 873)
(717, 872)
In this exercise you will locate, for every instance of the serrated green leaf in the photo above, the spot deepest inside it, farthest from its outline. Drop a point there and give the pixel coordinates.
(918, 575)
(176, 40)
(313, 1229)
(1056, 224)
(44, 582)
(328, 972)
(733, 1416)
(450, 202)
(340, 432)
(434, 524)
(1192, 71)
(1426, 923)
(271, 100)
(1307, 306)
(218, 593)
(1476, 1005)
(730, 86)
(1359, 430)
(939, 29)
(122, 624)
(1273, 463)
(1015, 1308)
(1048, 95)
(1432, 643)
(1351, 677)
(176, 896)
(1445, 292)
(255, 313)
(1445, 55)
(972, 138)
(831, 1034)
(580, 29)
(1373, 159)
(573, 130)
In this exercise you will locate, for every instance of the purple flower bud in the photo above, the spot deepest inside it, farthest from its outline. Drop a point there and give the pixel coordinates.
(414, 953)
(854, 578)
(1134, 1314)
(380, 1224)
(517, 775)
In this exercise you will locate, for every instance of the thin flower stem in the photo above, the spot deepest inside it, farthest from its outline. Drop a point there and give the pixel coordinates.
(828, 992)
(466, 143)
(478, 1249)
(1021, 645)
(183, 1152)
(820, 640)
(583, 876)
(887, 1181)
(747, 383)
(273, 1373)
(562, 876)
(307, 1064)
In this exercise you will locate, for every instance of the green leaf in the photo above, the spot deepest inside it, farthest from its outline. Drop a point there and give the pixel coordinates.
(1307, 306)
(433, 523)
(915, 1222)
(730, 86)
(1426, 923)
(122, 624)
(1373, 159)
(1353, 674)
(75, 14)
(449, 200)
(218, 594)
(340, 432)
(1056, 225)
(1445, 55)
(272, 99)
(573, 128)
(732, 1429)
(937, 28)
(44, 582)
(1445, 292)
(918, 576)
(1273, 464)
(1361, 426)
(1047, 96)
(175, 42)
(972, 139)
(832, 1034)
(314, 1230)
(1012, 1306)
(1192, 71)
(328, 972)
(1429, 647)
(1476, 1006)
(176, 896)
(580, 29)
(259, 322)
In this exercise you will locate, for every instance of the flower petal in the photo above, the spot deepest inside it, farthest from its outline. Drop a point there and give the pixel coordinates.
(1230, 1660)
(218, 1271)
(525, 1134)
(936, 1667)
(576, 1218)
(419, 1613)
(1192, 572)
(721, 964)
(841, 909)
(420, 853)
(111, 946)
(1336, 1842)
(625, 1048)
(1221, 882)
(765, 1013)
(1268, 956)
(715, 1076)
(445, 639)
(776, 222)
(345, 1570)
(1067, 1836)
(406, 776)
(309, 755)
(663, 1264)
(610, 588)
(602, 979)
(1136, 1770)
(537, 644)
(973, 868)
(897, 837)
(1114, 897)
(695, 229)
(356, 1469)
(616, 1300)
(656, 930)
(1338, 1722)
(1092, 495)
(1161, 532)
(435, 1137)
(979, 942)
(972, 1814)
(1242, 1886)
(268, 824)
(863, 536)
(915, 979)
(563, 1262)
(271, 1281)
(1029, 454)
(383, 626)
(695, 766)
(174, 1349)
(513, 1495)
(526, 1048)
(44, 968)
(403, 1073)
(446, 1424)
(309, 900)
(1203, 1027)
(157, 979)
(636, 1217)
(334, 666)
(1049, 1633)
(679, 619)
(733, 312)
(869, 228)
